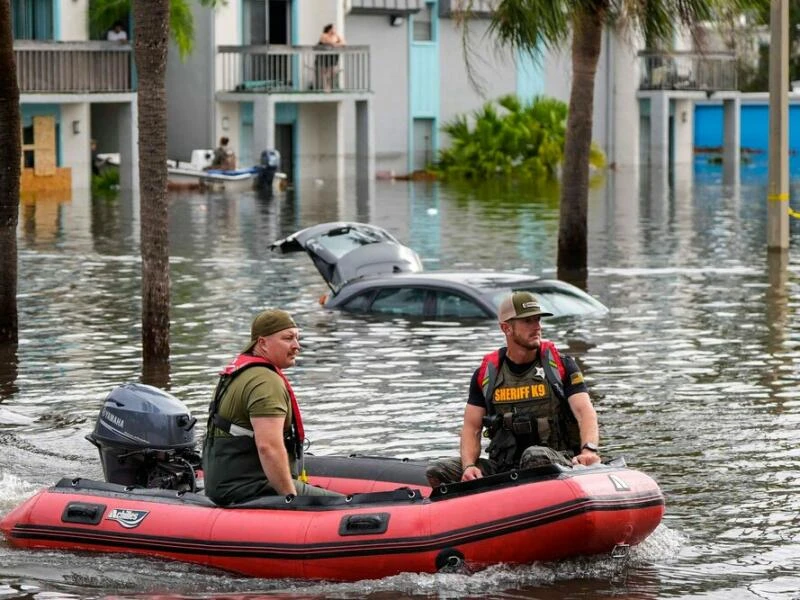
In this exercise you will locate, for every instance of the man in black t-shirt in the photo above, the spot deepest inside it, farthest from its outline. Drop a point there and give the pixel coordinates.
(533, 402)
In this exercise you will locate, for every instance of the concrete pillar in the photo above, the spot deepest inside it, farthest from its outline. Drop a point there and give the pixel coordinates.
(683, 132)
(339, 144)
(263, 124)
(365, 141)
(659, 130)
(75, 138)
(128, 123)
(731, 139)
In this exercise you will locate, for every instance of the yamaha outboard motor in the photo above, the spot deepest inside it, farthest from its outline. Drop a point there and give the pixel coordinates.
(146, 438)
(269, 165)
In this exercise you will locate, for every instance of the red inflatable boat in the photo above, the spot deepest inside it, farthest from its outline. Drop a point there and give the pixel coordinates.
(389, 522)
(546, 513)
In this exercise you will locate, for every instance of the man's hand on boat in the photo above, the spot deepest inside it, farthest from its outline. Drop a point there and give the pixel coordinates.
(471, 472)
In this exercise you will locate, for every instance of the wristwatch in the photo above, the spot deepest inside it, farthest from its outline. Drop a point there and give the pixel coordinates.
(591, 447)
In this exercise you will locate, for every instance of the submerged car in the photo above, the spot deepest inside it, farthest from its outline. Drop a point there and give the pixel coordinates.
(370, 272)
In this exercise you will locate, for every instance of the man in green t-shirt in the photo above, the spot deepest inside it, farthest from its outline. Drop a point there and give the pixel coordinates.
(255, 431)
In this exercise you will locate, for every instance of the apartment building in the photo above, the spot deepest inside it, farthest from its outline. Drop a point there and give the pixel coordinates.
(72, 90)
(254, 78)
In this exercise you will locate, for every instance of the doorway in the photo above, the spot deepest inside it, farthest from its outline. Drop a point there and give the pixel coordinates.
(284, 143)
(279, 23)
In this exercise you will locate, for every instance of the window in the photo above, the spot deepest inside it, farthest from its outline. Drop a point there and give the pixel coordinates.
(400, 301)
(358, 304)
(32, 19)
(455, 306)
(423, 24)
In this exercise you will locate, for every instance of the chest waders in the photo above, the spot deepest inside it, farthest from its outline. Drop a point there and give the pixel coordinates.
(293, 440)
(531, 409)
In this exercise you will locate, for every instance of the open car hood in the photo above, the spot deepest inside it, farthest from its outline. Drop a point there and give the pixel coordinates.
(344, 251)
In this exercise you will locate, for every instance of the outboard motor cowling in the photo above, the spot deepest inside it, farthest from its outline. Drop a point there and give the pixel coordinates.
(145, 437)
(269, 164)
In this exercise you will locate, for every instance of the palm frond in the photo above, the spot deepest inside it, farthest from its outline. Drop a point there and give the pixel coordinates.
(181, 26)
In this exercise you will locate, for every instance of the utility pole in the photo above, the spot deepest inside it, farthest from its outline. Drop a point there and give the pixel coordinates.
(778, 190)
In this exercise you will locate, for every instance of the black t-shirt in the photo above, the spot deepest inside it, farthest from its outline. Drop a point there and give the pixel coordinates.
(476, 393)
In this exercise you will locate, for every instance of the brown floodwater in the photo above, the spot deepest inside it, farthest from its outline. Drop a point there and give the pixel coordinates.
(694, 372)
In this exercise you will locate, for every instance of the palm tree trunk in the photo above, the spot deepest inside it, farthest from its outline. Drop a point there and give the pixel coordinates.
(572, 231)
(151, 18)
(10, 149)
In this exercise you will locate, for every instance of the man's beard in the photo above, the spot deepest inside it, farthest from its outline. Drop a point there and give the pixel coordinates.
(526, 343)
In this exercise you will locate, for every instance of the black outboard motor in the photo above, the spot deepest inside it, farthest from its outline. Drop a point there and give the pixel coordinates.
(146, 438)
(269, 165)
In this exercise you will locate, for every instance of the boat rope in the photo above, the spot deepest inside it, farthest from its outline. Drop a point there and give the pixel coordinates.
(794, 213)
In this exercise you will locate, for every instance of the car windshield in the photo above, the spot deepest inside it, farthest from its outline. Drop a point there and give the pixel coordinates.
(558, 302)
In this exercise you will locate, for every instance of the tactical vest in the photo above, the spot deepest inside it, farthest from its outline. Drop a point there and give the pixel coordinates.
(532, 406)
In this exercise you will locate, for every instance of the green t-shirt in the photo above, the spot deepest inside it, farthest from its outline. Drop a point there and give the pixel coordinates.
(233, 471)
(255, 392)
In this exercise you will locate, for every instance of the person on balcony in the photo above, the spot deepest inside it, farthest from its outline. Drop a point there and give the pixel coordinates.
(117, 34)
(327, 65)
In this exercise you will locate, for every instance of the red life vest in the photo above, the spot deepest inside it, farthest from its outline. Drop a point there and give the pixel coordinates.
(239, 364)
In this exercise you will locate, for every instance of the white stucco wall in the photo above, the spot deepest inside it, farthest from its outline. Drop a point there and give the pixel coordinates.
(389, 82)
(494, 69)
(314, 15)
(321, 140)
(74, 23)
(621, 140)
(190, 82)
(76, 146)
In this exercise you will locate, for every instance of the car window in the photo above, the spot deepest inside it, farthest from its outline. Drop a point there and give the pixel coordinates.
(358, 304)
(400, 301)
(452, 305)
(559, 302)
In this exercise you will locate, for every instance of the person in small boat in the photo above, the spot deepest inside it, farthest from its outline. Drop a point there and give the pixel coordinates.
(533, 402)
(224, 158)
(254, 440)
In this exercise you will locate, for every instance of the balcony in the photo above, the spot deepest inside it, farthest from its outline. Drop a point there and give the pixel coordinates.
(688, 71)
(72, 67)
(386, 7)
(476, 8)
(293, 69)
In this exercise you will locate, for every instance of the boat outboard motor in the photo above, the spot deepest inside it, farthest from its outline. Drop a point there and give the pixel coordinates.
(269, 165)
(146, 438)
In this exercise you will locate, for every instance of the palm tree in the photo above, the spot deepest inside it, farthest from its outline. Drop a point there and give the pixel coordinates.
(150, 47)
(536, 26)
(154, 20)
(10, 149)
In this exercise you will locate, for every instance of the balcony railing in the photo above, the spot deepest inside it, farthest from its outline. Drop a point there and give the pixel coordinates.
(293, 69)
(386, 7)
(476, 8)
(688, 71)
(72, 67)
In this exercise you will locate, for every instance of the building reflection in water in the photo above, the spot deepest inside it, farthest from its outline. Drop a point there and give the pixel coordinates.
(42, 216)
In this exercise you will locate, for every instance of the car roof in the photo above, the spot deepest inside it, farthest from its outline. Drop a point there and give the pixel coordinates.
(481, 280)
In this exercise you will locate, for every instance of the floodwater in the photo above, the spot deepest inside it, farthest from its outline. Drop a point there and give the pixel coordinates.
(694, 372)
